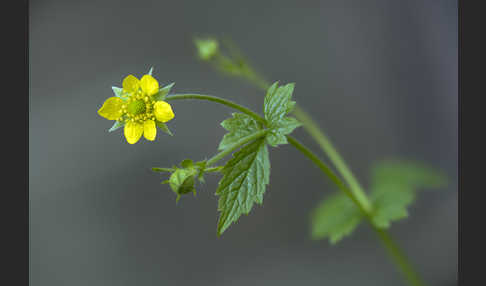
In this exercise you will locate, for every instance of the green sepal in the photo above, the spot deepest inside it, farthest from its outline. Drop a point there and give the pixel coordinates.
(163, 127)
(182, 181)
(163, 92)
(201, 166)
(162, 170)
(187, 163)
(116, 125)
(150, 71)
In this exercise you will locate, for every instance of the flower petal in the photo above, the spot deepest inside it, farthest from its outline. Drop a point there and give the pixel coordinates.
(149, 85)
(131, 84)
(111, 108)
(133, 132)
(163, 111)
(149, 130)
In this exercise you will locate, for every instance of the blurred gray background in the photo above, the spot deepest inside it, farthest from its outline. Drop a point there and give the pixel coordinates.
(380, 77)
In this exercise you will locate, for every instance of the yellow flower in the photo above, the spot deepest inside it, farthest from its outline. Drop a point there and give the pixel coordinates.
(138, 108)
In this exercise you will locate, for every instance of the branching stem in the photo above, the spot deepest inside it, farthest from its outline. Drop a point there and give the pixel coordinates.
(354, 192)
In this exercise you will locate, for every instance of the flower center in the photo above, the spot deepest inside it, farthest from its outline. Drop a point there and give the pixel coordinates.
(136, 107)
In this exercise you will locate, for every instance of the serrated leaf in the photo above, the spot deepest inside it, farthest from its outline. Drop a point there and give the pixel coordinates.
(279, 130)
(394, 186)
(116, 125)
(334, 218)
(277, 102)
(239, 126)
(245, 177)
(163, 127)
(408, 173)
(276, 106)
(290, 106)
(163, 92)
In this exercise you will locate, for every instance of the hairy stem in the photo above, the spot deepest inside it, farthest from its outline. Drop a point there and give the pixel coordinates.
(217, 100)
(354, 192)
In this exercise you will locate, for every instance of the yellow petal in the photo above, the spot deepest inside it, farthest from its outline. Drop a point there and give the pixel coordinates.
(131, 84)
(149, 130)
(163, 112)
(111, 109)
(149, 85)
(133, 131)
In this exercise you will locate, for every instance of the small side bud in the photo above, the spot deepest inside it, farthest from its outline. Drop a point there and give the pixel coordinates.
(206, 48)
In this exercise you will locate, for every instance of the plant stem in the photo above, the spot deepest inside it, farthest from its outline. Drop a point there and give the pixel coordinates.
(327, 171)
(213, 169)
(311, 127)
(399, 257)
(393, 249)
(218, 100)
(235, 146)
(357, 195)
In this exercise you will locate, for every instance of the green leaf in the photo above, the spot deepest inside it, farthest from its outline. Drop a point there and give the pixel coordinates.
(163, 127)
(115, 126)
(334, 218)
(283, 127)
(276, 106)
(162, 94)
(239, 126)
(277, 102)
(245, 177)
(150, 71)
(394, 186)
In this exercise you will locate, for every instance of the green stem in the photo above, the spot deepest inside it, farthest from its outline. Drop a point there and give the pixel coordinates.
(327, 171)
(399, 257)
(355, 193)
(218, 100)
(213, 169)
(314, 131)
(393, 249)
(161, 169)
(311, 127)
(235, 146)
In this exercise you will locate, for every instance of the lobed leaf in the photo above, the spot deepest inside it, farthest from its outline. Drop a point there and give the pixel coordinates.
(276, 106)
(277, 102)
(280, 129)
(394, 186)
(334, 218)
(239, 126)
